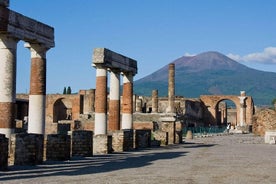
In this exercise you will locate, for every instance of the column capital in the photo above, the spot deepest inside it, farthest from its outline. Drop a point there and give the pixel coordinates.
(242, 98)
(37, 50)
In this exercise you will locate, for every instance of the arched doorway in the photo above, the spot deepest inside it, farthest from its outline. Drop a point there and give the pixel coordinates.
(226, 112)
(62, 110)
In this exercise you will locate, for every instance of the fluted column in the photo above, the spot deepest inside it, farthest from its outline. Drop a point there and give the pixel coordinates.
(127, 121)
(114, 101)
(36, 122)
(8, 48)
(101, 101)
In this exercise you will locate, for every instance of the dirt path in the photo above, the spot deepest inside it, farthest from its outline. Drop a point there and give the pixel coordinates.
(218, 159)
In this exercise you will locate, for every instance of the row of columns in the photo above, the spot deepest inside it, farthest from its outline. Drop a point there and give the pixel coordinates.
(114, 101)
(36, 122)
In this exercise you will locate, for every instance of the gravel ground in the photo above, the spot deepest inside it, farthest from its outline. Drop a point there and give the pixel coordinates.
(239, 158)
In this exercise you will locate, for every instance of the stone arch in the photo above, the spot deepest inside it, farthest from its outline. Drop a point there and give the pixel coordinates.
(244, 107)
(222, 112)
(62, 109)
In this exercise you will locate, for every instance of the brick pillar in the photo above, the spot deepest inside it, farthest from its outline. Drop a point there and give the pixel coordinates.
(114, 101)
(127, 121)
(7, 84)
(36, 123)
(155, 101)
(101, 101)
(170, 108)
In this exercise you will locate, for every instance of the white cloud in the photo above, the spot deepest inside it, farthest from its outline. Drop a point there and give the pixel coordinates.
(267, 56)
(188, 54)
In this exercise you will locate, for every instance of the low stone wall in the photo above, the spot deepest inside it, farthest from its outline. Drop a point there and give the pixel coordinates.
(142, 138)
(4, 146)
(58, 147)
(169, 126)
(82, 143)
(26, 149)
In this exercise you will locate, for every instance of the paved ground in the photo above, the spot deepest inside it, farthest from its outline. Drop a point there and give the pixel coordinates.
(237, 159)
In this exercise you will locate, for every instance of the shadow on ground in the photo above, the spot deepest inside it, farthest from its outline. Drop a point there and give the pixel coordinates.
(97, 163)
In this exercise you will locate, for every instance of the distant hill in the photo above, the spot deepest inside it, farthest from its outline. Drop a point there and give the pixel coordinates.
(211, 73)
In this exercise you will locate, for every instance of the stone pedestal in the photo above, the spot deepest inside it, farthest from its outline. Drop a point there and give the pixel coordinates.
(102, 144)
(168, 125)
(122, 140)
(82, 143)
(26, 149)
(142, 138)
(58, 147)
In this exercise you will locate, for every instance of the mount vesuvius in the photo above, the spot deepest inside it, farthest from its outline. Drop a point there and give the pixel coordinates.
(211, 73)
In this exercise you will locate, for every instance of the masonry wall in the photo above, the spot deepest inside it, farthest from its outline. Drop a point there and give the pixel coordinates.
(82, 143)
(58, 147)
(26, 149)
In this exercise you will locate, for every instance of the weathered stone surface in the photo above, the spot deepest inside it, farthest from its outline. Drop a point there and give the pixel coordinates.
(264, 120)
(58, 147)
(26, 149)
(82, 143)
(102, 144)
(112, 59)
(142, 138)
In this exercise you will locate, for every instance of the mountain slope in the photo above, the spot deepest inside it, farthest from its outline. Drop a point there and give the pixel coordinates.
(211, 73)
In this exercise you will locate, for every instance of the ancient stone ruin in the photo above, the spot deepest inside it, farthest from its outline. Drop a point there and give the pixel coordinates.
(36, 127)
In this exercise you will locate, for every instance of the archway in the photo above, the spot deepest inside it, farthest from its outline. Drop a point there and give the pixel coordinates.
(226, 112)
(62, 110)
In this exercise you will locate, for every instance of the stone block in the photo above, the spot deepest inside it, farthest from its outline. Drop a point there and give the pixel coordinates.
(102, 144)
(58, 147)
(26, 149)
(82, 143)
(161, 136)
(142, 138)
(270, 137)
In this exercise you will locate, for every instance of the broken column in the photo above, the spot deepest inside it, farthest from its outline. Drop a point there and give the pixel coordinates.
(171, 89)
(242, 108)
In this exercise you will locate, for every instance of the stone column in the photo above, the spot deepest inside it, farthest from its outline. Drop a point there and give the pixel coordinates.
(36, 122)
(114, 101)
(7, 84)
(101, 101)
(155, 101)
(138, 105)
(171, 88)
(127, 121)
(242, 108)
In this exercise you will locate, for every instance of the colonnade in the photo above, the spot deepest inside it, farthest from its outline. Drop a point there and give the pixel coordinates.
(39, 39)
(106, 61)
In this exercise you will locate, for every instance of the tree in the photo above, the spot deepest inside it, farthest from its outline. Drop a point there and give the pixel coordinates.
(68, 90)
(64, 90)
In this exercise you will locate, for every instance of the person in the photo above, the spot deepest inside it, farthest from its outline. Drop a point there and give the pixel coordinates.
(228, 127)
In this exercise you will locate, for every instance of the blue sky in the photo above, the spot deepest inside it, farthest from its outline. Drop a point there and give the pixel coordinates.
(153, 32)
